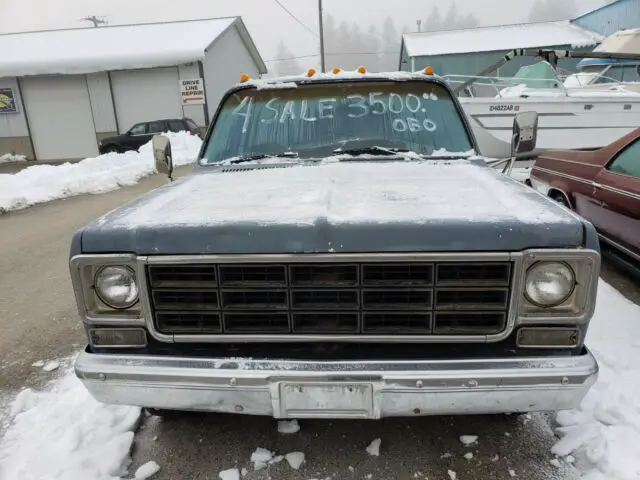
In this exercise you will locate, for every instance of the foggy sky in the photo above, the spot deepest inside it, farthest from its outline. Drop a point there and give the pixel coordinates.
(266, 21)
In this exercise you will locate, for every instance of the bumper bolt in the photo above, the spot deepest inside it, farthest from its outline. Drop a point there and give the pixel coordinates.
(565, 381)
(419, 384)
(102, 376)
(238, 408)
(473, 383)
(233, 382)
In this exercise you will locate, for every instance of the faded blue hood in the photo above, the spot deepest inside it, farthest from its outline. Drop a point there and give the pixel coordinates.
(363, 206)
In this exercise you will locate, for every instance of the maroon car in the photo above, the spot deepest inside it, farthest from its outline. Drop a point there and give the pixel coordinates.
(601, 185)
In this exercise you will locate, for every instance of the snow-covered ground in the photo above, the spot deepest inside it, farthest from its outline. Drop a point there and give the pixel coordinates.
(43, 183)
(62, 433)
(11, 158)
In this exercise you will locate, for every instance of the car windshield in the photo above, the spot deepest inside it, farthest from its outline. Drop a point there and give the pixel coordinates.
(319, 120)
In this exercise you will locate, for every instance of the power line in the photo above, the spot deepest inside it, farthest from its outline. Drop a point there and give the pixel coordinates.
(292, 58)
(332, 54)
(295, 18)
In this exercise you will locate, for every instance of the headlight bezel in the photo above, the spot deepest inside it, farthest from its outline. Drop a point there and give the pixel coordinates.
(579, 306)
(92, 309)
(101, 295)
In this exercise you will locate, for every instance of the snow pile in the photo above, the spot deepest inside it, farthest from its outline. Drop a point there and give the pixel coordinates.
(11, 158)
(63, 433)
(604, 432)
(43, 183)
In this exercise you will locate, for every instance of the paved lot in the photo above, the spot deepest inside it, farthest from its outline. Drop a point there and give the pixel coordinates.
(39, 321)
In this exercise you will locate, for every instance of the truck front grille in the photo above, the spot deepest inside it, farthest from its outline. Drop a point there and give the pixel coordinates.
(434, 298)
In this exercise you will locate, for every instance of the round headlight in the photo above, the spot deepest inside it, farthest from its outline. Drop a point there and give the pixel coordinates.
(549, 284)
(116, 287)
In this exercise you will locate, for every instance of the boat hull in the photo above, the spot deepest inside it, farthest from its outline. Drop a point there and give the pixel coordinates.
(563, 122)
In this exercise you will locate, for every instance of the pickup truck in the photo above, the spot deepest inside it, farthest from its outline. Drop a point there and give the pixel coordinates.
(340, 249)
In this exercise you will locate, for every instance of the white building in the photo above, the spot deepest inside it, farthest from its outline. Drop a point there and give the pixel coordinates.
(62, 91)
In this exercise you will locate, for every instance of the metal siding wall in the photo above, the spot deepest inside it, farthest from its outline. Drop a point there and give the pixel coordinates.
(614, 17)
(472, 63)
(104, 117)
(194, 112)
(223, 64)
(146, 95)
(13, 124)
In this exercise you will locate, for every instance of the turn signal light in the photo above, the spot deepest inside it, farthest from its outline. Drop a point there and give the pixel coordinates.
(428, 70)
(244, 78)
(362, 70)
(548, 337)
(311, 72)
(336, 70)
(118, 337)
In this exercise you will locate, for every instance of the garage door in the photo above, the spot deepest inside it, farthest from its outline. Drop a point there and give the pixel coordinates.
(59, 115)
(145, 95)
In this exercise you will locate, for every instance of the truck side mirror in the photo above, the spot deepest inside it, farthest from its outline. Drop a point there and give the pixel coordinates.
(525, 133)
(162, 155)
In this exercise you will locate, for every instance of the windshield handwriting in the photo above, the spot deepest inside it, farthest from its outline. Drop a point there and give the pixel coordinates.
(402, 108)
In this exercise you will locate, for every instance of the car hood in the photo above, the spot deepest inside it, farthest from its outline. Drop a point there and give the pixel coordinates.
(363, 206)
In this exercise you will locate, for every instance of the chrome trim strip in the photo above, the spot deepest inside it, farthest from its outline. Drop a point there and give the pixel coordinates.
(633, 196)
(564, 175)
(625, 193)
(575, 162)
(393, 388)
(622, 248)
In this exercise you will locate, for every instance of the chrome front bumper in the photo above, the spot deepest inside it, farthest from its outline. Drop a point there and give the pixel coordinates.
(345, 389)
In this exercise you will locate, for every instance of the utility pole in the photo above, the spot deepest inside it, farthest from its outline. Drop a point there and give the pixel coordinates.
(95, 20)
(322, 64)
(419, 22)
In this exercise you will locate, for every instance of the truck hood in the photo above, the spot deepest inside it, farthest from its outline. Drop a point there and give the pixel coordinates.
(363, 206)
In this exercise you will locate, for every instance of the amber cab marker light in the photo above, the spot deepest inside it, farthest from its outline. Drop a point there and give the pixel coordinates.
(336, 70)
(362, 70)
(311, 72)
(244, 78)
(428, 70)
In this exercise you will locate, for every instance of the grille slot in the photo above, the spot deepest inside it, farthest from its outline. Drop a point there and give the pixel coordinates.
(397, 274)
(182, 276)
(188, 322)
(256, 323)
(469, 323)
(328, 298)
(397, 323)
(253, 275)
(318, 275)
(325, 322)
(472, 299)
(459, 274)
(396, 299)
(321, 299)
(254, 299)
(166, 299)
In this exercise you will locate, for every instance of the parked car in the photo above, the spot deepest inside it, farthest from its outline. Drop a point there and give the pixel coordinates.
(602, 186)
(143, 132)
(339, 251)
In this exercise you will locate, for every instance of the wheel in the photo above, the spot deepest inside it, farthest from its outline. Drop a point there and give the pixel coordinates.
(560, 198)
(111, 149)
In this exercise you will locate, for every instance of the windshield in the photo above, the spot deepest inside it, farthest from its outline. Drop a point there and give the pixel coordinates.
(314, 121)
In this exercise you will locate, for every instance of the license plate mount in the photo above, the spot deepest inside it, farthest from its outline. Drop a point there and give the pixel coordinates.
(326, 399)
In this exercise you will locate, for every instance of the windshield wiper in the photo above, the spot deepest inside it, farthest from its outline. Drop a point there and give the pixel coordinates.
(371, 150)
(260, 156)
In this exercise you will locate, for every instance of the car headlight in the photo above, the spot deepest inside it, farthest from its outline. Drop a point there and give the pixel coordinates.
(549, 284)
(116, 287)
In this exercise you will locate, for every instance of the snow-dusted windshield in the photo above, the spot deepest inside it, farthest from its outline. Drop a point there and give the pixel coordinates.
(316, 120)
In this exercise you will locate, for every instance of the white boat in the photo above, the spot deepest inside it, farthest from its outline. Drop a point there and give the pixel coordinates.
(585, 110)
